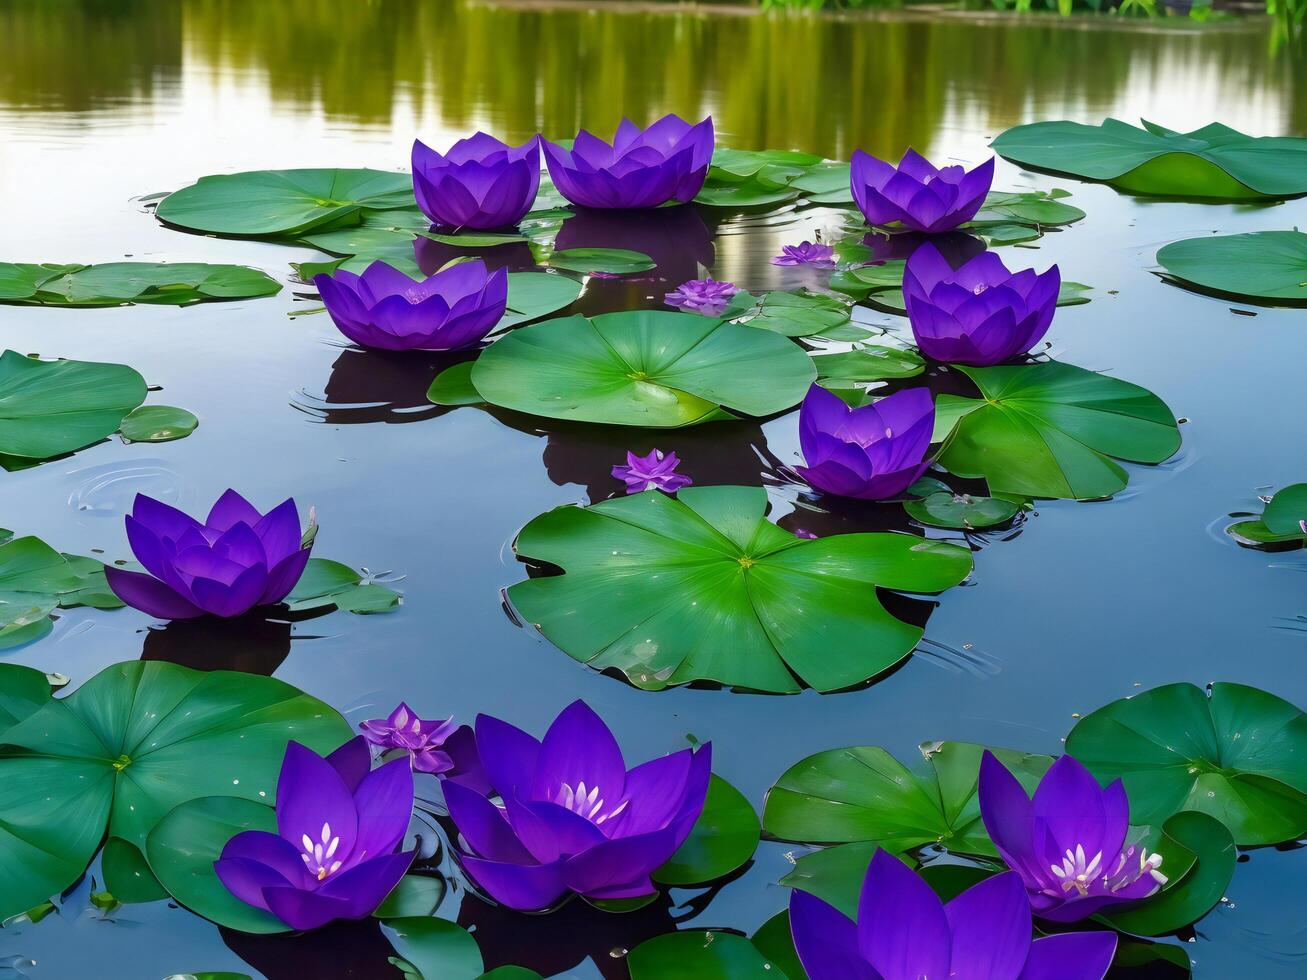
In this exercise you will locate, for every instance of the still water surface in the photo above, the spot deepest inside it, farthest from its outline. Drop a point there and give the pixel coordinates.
(102, 103)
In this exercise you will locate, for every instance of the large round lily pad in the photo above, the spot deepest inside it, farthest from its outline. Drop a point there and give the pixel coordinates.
(1215, 161)
(644, 368)
(1259, 265)
(863, 793)
(1238, 754)
(126, 747)
(703, 587)
(48, 408)
(116, 283)
(283, 202)
(1051, 430)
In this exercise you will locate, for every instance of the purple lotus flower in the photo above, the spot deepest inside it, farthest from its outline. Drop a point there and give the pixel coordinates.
(1068, 843)
(917, 194)
(384, 308)
(236, 560)
(333, 855)
(706, 296)
(656, 471)
(806, 253)
(800, 532)
(874, 452)
(423, 740)
(571, 817)
(904, 932)
(643, 168)
(480, 183)
(979, 313)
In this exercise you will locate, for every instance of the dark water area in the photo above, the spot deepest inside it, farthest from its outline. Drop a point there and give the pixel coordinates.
(102, 103)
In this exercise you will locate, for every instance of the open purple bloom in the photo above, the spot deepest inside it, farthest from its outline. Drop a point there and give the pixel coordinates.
(979, 313)
(916, 194)
(384, 308)
(236, 560)
(333, 855)
(643, 168)
(806, 253)
(1068, 843)
(480, 183)
(423, 740)
(570, 817)
(874, 452)
(655, 470)
(904, 932)
(706, 296)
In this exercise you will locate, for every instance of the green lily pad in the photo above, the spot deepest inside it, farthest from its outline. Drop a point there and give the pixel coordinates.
(866, 364)
(698, 954)
(961, 511)
(157, 423)
(644, 368)
(371, 241)
(777, 165)
(437, 949)
(121, 751)
(1238, 754)
(1212, 162)
(828, 183)
(283, 202)
(1269, 266)
(474, 239)
(1190, 896)
(722, 839)
(799, 314)
(35, 580)
(532, 295)
(127, 876)
(117, 283)
(868, 280)
(1052, 430)
(184, 844)
(1027, 208)
(326, 583)
(1281, 521)
(415, 895)
(453, 386)
(48, 408)
(22, 691)
(835, 874)
(751, 193)
(703, 587)
(864, 794)
(775, 941)
(614, 261)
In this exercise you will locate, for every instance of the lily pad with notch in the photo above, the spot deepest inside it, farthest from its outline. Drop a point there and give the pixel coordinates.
(702, 587)
(121, 283)
(328, 584)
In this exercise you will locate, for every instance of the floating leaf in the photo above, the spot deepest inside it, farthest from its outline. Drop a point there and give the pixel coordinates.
(697, 954)
(864, 794)
(1281, 521)
(48, 408)
(157, 423)
(775, 941)
(437, 948)
(453, 386)
(474, 239)
(645, 368)
(22, 691)
(1187, 898)
(1239, 755)
(1050, 429)
(414, 895)
(722, 839)
(1028, 208)
(703, 587)
(738, 165)
(283, 202)
(835, 874)
(121, 751)
(868, 280)
(127, 875)
(116, 283)
(184, 844)
(1213, 162)
(609, 260)
(532, 295)
(35, 580)
(961, 510)
(799, 314)
(1259, 266)
(826, 184)
(747, 194)
(327, 583)
(866, 364)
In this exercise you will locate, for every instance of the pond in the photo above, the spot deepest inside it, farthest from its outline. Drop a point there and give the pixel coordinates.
(106, 106)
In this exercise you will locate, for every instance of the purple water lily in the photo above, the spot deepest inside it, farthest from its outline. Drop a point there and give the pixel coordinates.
(1068, 843)
(800, 532)
(424, 741)
(480, 183)
(874, 452)
(656, 471)
(333, 855)
(904, 932)
(916, 193)
(643, 168)
(706, 296)
(384, 308)
(806, 253)
(236, 560)
(979, 313)
(570, 816)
